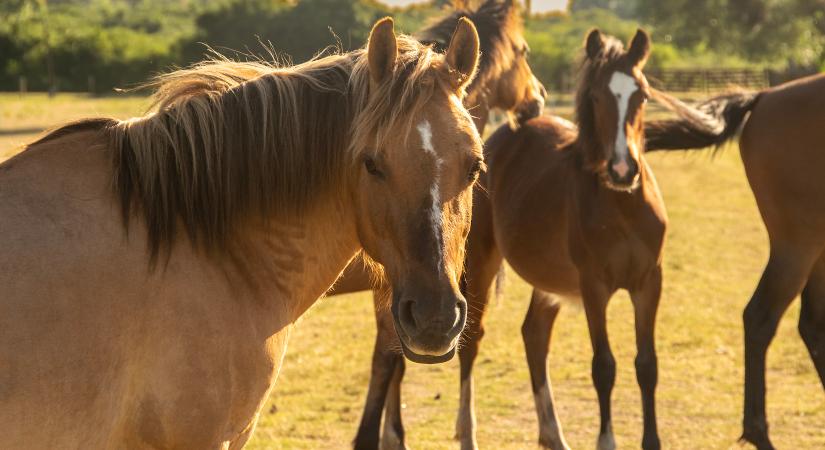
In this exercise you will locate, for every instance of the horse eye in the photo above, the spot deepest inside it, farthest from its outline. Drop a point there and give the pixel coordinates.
(372, 169)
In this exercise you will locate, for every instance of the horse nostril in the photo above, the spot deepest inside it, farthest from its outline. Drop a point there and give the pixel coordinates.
(407, 317)
(621, 168)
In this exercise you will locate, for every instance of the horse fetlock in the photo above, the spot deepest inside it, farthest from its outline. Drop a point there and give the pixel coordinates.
(552, 440)
(606, 441)
(391, 440)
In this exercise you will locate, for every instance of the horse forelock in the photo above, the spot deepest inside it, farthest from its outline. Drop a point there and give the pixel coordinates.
(228, 140)
(589, 72)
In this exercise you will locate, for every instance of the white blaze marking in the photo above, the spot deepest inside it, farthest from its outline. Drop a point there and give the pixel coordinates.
(426, 132)
(622, 86)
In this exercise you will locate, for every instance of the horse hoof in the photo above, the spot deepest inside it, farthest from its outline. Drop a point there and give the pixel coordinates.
(651, 443)
(757, 437)
(553, 444)
(391, 441)
(606, 442)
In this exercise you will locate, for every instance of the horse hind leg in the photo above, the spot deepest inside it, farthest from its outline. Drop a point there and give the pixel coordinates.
(536, 332)
(787, 270)
(812, 317)
(392, 436)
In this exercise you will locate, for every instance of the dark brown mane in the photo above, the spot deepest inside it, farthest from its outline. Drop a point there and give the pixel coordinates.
(589, 70)
(230, 141)
(498, 24)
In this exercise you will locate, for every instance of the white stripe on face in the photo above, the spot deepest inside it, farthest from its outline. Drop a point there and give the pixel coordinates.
(622, 86)
(426, 132)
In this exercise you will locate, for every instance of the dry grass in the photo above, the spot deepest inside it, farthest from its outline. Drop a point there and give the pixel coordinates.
(24, 117)
(715, 252)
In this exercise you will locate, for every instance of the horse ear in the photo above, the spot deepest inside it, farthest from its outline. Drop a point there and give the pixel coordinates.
(382, 50)
(462, 54)
(639, 48)
(594, 43)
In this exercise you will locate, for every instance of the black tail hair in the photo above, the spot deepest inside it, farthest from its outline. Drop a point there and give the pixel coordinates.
(710, 123)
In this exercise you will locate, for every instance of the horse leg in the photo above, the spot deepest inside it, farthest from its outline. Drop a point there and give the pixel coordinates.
(645, 304)
(465, 426)
(385, 359)
(392, 436)
(482, 265)
(603, 370)
(536, 332)
(812, 317)
(781, 281)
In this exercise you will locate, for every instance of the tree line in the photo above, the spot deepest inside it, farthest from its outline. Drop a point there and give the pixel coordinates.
(105, 44)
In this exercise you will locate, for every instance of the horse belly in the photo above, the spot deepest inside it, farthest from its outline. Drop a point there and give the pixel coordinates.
(533, 238)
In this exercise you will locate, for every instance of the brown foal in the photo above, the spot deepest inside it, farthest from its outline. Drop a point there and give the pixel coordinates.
(783, 150)
(576, 213)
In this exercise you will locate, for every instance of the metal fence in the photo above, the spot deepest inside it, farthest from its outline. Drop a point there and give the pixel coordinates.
(707, 80)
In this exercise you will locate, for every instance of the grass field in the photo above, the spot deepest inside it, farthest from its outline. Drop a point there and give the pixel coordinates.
(715, 252)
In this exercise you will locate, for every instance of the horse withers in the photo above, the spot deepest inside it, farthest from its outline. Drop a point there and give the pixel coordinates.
(151, 268)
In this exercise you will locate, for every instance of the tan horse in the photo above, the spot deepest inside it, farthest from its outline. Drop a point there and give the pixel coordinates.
(244, 197)
(504, 82)
(576, 213)
(783, 150)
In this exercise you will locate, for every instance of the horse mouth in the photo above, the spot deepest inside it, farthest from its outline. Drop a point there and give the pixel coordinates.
(529, 111)
(626, 186)
(427, 359)
(422, 358)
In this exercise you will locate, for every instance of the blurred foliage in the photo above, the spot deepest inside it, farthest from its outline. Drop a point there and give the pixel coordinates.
(123, 42)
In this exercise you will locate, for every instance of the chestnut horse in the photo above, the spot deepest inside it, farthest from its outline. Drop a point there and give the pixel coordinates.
(151, 269)
(504, 82)
(783, 149)
(576, 213)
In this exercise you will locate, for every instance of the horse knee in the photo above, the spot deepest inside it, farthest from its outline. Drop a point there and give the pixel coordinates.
(604, 370)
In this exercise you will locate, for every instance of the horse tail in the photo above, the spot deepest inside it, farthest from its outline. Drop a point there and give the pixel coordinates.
(708, 124)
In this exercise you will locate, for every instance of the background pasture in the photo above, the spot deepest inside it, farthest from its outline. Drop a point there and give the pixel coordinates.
(716, 248)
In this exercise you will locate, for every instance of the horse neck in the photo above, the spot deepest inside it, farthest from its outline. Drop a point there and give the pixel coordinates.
(294, 262)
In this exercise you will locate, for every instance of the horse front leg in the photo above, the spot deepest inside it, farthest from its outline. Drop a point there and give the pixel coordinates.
(385, 361)
(645, 305)
(595, 296)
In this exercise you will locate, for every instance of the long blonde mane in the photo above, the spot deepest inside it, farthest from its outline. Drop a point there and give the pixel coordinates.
(229, 140)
